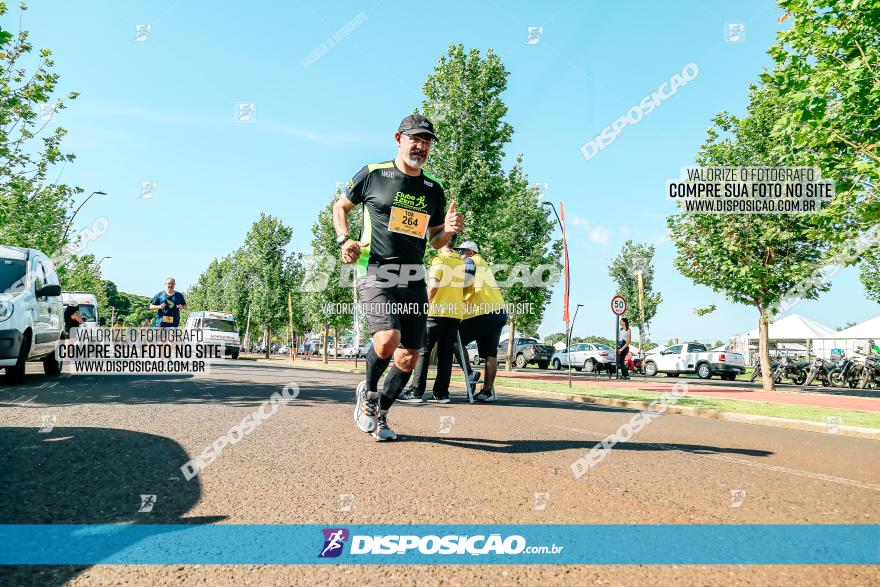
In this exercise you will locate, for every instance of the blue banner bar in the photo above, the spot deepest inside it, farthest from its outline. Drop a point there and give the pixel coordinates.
(710, 544)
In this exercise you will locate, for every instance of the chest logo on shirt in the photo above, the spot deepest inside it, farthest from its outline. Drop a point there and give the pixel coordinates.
(388, 173)
(409, 201)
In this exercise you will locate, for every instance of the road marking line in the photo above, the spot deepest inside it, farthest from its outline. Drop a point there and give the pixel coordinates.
(47, 385)
(777, 468)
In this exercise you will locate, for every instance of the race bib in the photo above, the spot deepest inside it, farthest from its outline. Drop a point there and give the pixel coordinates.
(408, 222)
(168, 319)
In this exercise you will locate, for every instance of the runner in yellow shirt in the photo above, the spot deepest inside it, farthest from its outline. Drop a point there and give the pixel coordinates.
(445, 294)
(484, 314)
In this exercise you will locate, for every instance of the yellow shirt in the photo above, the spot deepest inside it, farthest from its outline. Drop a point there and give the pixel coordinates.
(484, 295)
(447, 269)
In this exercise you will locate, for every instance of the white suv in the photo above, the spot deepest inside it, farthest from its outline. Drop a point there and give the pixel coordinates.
(31, 312)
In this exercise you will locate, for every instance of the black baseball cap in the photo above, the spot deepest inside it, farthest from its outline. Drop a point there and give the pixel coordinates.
(416, 124)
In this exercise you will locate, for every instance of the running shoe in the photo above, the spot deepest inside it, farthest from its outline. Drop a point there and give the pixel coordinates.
(383, 432)
(439, 400)
(486, 395)
(410, 396)
(366, 410)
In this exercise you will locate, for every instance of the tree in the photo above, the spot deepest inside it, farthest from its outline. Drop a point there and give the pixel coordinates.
(826, 75)
(463, 99)
(34, 210)
(552, 339)
(633, 259)
(266, 265)
(521, 253)
(83, 274)
(333, 288)
(870, 275)
(751, 259)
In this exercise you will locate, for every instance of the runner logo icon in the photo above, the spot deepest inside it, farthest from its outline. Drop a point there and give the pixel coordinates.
(334, 542)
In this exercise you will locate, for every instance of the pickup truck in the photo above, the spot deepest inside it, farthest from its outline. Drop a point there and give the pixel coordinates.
(526, 351)
(694, 357)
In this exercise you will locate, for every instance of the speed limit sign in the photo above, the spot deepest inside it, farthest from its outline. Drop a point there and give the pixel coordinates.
(618, 305)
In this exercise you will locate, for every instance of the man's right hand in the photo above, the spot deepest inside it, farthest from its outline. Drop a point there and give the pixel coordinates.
(350, 251)
(163, 305)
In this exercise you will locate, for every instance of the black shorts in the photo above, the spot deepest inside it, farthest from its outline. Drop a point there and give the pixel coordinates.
(395, 308)
(486, 330)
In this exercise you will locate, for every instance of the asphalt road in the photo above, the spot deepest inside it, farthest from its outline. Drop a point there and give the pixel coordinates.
(115, 438)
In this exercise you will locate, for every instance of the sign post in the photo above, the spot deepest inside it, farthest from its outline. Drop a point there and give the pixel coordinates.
(618, 308)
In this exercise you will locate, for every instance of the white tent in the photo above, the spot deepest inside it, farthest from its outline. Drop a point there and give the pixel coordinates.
(792, 328)
(865, 330)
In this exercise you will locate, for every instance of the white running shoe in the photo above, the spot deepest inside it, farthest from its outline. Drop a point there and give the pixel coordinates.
(366, 409)
(383, 432)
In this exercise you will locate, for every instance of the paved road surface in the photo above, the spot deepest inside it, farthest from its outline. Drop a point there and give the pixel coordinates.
(116, 438)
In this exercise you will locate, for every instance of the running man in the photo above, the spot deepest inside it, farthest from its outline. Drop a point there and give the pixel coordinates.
(404, 208)
(167, 305)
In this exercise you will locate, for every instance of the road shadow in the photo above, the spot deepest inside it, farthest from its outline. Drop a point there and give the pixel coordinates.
(236, 388)
(536, 446)
(69, 475)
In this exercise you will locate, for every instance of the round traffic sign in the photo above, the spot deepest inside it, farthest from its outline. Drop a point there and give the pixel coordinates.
(618, 305)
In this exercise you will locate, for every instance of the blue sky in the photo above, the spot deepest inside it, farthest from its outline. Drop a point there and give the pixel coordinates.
(164, 110)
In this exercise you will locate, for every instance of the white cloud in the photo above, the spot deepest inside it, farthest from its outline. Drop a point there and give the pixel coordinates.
(597, 233)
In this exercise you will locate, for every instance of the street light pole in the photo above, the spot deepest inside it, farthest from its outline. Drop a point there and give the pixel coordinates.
(568, 342)
(75, 212)
(98, 264)
(568, 325)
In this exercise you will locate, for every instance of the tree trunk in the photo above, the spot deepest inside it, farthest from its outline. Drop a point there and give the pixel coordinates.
(267, 341)
(335, 342)
(764, 350)
(326, 333)
(511, 336)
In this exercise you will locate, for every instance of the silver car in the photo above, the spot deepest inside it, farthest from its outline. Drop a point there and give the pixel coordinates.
(586, 356)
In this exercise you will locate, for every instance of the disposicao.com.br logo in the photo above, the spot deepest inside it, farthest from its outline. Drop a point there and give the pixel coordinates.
(476, 545)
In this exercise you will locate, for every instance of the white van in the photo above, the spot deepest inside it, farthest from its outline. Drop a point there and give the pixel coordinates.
(31, 313)
(87, 305)
(218, 328)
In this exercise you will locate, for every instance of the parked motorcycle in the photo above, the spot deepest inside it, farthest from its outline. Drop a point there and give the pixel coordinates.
(844, 373)
(820, 369)
(791, 370)
(870, 374)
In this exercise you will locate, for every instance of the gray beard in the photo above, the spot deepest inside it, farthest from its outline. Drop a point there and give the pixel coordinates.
(415, 163)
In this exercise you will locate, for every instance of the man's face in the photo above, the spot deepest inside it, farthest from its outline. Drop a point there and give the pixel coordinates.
(466, 253)
(414, 148)
(169, 284)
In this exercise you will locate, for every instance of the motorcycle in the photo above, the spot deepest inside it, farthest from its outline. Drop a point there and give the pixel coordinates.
(789, 370)
(843, 374)
(870, 374)
(757, 371)
(820, 369)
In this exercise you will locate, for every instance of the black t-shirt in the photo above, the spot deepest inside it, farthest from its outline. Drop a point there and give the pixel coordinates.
(69, 321)
(398, 210)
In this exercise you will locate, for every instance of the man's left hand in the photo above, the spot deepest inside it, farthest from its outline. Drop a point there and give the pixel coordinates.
(454, 220)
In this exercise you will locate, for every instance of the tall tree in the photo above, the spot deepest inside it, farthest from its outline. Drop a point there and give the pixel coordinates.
(265, 261)
(463, 98)
(334, 280)
(83, 274)
(35, 210)
(751, 259)
(632, 259)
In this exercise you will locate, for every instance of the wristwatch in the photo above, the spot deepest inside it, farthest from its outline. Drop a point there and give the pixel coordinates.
(340, 240)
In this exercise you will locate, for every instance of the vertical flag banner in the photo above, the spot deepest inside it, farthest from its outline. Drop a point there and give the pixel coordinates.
(565, 316)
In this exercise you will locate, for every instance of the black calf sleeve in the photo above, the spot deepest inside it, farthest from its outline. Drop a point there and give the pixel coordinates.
(375, 368)
(394, 384)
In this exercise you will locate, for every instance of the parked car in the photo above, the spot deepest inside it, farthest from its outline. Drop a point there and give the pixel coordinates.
(585, 356)
(31, 312)
(473, 354)
(284, 349)
(694, 357)
(217, 328)
(527, 351)
(351, 350)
